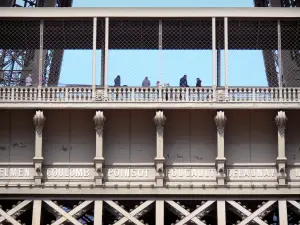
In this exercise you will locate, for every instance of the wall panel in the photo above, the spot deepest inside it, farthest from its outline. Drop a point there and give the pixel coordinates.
(4, 136)
(177, 148)
(116, 137)
(203, 137)
(143, 137)
(129, 137)
(22, 136)
(56, 145)
(250, 137)
(82, 137)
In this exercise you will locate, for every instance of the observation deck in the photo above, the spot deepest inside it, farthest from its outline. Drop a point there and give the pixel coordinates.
(103, 31)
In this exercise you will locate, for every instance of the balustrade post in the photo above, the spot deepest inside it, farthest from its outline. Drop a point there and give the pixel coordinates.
(220, 121)
(38, 121)
(281, 160)
(159, 121)
(99, 120)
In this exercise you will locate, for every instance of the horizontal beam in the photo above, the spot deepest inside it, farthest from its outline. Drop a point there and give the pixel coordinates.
(182, 192)
(149, 105)
(148, 12)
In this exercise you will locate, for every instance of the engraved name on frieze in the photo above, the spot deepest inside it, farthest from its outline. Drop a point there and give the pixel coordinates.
(253, 173)
(14, 172)
(113, 172)
(68, 172)
(147, 172)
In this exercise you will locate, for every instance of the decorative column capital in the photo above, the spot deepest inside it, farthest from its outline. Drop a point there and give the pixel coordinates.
(38, 121)
(160, 121)
(220, 120)
(281, 120)
(99, 120)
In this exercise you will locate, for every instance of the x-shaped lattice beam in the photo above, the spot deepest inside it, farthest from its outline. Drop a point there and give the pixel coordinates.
(67, 216)
(296, 205)
(192, 215)
(184, 212)
(252, 216)
(8, 215)
(246, 212)
(127, 215)
(134, 212)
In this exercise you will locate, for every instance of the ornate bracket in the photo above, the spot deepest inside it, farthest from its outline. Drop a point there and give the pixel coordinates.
(160, 121)
(38, 121)
(99, 120)
(220, 120)
(281, 120)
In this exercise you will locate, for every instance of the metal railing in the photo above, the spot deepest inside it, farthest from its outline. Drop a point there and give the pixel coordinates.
(149, 94)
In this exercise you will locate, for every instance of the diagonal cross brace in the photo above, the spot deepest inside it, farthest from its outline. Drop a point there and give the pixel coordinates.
(9, 218)
(246, 212)
(62, 212)
(124, 212)
(295, 204)
(16, 209)
(195, 213)
(256, 213)
(73, 212)
(184, 212)
(134, 212)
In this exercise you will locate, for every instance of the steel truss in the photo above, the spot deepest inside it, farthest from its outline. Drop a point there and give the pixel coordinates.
(13, 62)
(182, 212)
(272, 68)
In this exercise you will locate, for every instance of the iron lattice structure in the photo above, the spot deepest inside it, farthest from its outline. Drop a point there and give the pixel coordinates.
(272, 66)
(15, 64)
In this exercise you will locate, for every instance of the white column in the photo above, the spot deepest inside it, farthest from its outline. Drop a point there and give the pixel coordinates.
(281, 160)
(220, 120)
(98, 212)
(160, 30)
(38, 121)
(159, 212)
(41, 55)
(280, 81)
(36, 212)
(106, 51)
(283, 216)
(221, 210)
(214, 57)
(159, 121)
(99, 120)
(94, 56)
(226, 55)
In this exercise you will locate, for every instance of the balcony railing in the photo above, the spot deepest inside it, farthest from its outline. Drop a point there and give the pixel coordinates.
(151, 94)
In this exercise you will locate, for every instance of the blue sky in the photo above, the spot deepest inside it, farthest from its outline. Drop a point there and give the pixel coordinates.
(246, 68)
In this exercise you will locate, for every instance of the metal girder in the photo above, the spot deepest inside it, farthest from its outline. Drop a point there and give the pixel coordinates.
(17, 210)
(13, 62)
(195, 213)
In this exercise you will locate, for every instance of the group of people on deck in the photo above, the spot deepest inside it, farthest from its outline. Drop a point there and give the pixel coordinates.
(146, 82)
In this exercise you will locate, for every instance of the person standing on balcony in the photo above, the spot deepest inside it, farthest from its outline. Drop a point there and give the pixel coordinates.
(146, 82)
(157, 84)
(118, 81)
(28, 81)
(183, 81)
(198, 82)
